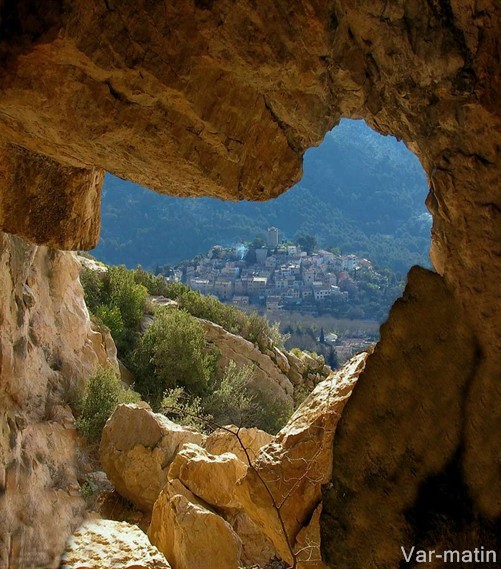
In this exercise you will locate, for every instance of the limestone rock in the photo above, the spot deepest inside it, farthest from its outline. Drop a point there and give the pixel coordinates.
(253, 439)
(307, 546)
(268, 378)
(298, 462)
(47, 352)
(257, 549)
(125, 374)
(190, 534)
(222, 99)
(396, 446)
(137, 447)
(114, 545)
(104, 347)
(281, 360)
(212, 478)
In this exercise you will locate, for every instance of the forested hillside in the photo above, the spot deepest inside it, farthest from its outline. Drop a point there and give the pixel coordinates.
(361, 192)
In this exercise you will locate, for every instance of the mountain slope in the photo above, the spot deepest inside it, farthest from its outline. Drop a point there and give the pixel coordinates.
(361, 192)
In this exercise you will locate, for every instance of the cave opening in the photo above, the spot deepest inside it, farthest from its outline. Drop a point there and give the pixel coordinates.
(361, 195)
(164, 94)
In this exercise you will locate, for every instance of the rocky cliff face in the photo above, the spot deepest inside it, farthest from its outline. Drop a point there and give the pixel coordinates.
(399, 462)
(222, 99)
(48, 348)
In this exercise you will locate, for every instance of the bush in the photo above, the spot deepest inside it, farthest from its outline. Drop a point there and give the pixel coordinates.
(273, 414)
(117, 301)
(252, 327)
(128, 296)
(111, 317)
(154, 284)
(103, 393)
(92, 285)
(178, 406)
(232, 402)
(172, 353)
(235, 401)
(175, 289)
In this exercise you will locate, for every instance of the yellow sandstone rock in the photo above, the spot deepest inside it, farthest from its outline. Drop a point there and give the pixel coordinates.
(137, 447)
(99, 544)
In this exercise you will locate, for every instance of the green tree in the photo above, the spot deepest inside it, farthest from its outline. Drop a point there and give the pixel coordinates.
(258, 242)
(104, 391)
(93, 286)
(307, 243)
(172, 353)
(128, 296)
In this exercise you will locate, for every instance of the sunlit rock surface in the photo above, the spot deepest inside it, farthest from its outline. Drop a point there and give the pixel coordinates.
(212, 478)
(115, 545)
(137, 448)
(246, 446)
(222, 99)
(48, 349)
(190, 533)
(291, 469)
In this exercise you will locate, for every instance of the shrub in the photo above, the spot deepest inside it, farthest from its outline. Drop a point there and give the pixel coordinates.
(175, 289)
(258, 331)
(93, 288)
(237, 402)
(273, 414)
(128, 296)
(232, 402)
(111, 317)
(252, 327)
(178, 406)
(210, 308)
(172, 353)
(103, 393)
(154, 284)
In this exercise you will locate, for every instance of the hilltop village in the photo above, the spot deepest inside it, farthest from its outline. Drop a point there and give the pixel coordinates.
(275, 275)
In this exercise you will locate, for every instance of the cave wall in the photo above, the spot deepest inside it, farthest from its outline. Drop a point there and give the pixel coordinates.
(220, 98)
(48, 349)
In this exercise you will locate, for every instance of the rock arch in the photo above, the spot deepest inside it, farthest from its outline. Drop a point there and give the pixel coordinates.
(222, 98)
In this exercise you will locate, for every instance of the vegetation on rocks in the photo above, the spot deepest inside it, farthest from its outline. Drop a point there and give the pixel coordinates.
(114, 297)
(172, 353)
(175, 369)
(252, 327)
(104, 391)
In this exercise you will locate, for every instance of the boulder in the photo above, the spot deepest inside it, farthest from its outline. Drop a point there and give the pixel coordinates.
(268, 378)
(190, 534)
(295, 465)
(114, 545)
(232, 439)
(281, 360)
(296, 363)
(137, 447)
(257, 549)
(307, 546)
(212, 478)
